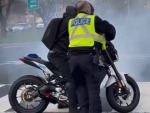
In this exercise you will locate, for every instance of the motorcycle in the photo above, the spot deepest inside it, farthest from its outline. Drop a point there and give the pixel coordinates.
(32, 93)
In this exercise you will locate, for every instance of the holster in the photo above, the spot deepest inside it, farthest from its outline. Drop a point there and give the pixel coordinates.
(96, 59)
(96, 56)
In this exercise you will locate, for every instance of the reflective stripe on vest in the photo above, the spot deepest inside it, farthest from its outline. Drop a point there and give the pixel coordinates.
(76, 39)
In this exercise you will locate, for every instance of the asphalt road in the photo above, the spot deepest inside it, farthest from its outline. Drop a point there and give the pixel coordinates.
(11, 68)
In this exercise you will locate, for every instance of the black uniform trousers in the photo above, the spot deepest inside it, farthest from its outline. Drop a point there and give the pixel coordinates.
(87, 84)
(60, 61)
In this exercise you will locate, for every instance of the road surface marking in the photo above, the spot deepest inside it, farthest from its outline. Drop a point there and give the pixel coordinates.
(7, 47)
(4, 103)
(8, 44)
(2, 85)
(12, 62)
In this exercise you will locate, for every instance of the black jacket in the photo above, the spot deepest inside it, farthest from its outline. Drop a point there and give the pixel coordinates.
(56, 34)
(103, 26)
(50, 33)
(62, 40)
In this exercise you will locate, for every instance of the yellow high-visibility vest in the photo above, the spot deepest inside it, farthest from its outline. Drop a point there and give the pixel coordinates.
(82, 32)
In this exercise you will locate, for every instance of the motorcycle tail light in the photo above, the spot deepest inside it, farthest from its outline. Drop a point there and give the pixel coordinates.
(22, 59)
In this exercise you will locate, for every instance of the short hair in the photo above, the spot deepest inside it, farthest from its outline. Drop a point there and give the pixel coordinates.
(92, 9)
(80, 5)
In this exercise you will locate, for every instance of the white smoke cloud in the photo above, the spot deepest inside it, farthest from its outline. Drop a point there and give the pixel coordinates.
(132, 23)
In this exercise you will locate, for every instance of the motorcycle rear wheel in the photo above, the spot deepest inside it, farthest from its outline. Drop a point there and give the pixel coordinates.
(115, 101)
(25, 85)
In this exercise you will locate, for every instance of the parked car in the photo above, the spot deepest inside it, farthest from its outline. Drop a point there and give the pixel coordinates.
(21, 27)
(40, 25)
(9, 28)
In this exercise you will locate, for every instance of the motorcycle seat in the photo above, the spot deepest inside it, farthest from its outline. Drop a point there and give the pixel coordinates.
(41, 61)
(38, 60)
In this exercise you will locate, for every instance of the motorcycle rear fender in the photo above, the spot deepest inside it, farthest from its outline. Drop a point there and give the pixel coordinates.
(35, 76)
(42, 79)
(111, 80)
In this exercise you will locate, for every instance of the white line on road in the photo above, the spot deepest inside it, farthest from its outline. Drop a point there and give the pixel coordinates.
(4, 104)
(16, 45)
(11, 62)
(4, 63)
(7, 47)
(2, 85)
(8, 44)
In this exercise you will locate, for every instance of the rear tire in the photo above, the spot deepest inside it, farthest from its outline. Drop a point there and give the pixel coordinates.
(13, 95)
(112, 101)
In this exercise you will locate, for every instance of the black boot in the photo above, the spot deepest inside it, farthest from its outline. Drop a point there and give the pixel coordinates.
(63, 104)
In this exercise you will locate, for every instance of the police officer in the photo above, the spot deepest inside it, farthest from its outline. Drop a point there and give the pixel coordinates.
(86, 32)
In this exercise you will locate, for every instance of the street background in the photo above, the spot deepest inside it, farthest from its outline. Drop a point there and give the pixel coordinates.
(23, 22)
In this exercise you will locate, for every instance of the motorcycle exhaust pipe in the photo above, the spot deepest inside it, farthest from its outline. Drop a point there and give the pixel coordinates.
(35, 94)
(45, 88)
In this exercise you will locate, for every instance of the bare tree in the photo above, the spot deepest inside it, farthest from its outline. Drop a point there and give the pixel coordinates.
(45, 10)
(5, 6)
(48, 7)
